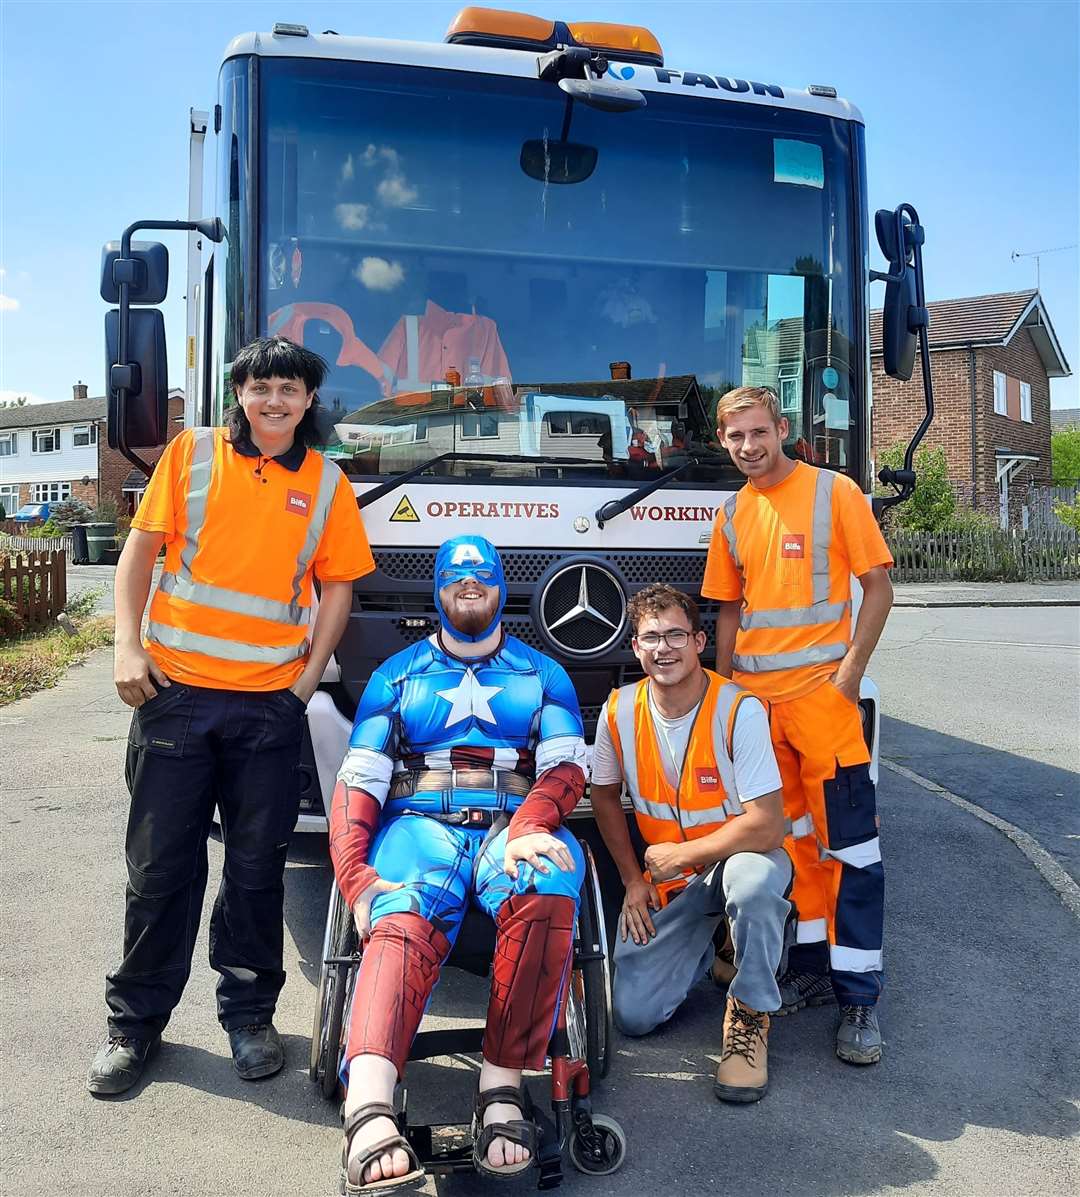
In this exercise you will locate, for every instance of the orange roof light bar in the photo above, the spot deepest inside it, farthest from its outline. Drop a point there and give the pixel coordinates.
(633, 42)
(518, 31)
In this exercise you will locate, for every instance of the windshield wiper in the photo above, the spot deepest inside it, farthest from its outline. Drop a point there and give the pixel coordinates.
(390, 484)
(613, 507)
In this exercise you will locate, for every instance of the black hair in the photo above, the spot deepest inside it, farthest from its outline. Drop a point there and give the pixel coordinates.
(278, 357)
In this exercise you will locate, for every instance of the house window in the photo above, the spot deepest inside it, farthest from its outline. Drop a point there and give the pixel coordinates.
(9, 498)
(45, 440)
(477, 425)
(1025, 402)
(1000, 402)
(572, 423)
(50, 492)
(410, 434)
(84, 435)
(9, 444)
(789, 395)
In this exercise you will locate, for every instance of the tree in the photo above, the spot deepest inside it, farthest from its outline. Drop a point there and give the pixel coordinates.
(1065, 457)
(19, 402)
(932, 508)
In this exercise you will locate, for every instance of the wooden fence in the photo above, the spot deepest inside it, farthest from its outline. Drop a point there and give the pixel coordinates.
(33, 590)
(994, 555)
(27, 542)
(1040, 503)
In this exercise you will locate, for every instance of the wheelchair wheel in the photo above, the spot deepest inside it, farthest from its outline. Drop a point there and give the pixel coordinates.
(599, 1147)
(335, 986)
(594, 992)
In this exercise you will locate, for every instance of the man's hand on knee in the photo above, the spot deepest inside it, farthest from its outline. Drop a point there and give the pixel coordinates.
(361, 910)
(640, 897)
(533, 849)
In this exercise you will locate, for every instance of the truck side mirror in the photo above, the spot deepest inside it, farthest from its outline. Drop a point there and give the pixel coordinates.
(146, 270)
(899, 316)
(143, 417)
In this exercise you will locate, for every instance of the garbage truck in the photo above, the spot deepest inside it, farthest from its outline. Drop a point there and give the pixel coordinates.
(534, 255)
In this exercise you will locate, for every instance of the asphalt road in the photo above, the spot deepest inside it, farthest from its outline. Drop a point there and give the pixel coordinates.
(986, 702)
(979, 1092)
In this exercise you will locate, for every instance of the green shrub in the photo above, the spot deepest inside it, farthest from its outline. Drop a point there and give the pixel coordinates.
(1069, 513)
(105, 512)
(1065, 457)
(71, 511)
(932, 507)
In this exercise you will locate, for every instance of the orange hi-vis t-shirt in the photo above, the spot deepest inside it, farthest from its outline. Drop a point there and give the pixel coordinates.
(244, 536)
(797, 546)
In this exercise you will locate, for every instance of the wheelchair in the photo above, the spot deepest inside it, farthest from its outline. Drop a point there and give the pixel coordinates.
(579, 1049)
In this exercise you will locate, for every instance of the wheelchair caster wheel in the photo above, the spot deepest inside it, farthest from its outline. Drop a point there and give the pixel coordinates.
(600, 1148)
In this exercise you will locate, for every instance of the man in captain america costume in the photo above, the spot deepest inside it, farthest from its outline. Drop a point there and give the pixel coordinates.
(466, 755)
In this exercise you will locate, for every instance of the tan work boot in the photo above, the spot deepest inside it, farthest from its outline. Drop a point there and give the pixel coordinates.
(743, 1071)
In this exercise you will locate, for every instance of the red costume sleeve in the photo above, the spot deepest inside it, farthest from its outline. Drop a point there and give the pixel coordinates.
(354, 819)
(553, 796)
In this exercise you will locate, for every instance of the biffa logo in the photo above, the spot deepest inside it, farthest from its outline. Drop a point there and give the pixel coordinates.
(297, 501)
(792, 545)
(708, 779)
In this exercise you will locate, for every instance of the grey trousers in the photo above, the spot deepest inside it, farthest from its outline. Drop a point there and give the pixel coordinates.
(653, 979)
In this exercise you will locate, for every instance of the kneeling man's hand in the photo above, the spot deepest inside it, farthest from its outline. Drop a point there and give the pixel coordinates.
(634, 919)
(664, 861)
(361, 910)
(532, 848)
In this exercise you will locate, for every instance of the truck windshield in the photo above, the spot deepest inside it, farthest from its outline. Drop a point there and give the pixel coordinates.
(464, 304)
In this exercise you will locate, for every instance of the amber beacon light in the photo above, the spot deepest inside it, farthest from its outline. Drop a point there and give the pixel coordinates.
(519, 31)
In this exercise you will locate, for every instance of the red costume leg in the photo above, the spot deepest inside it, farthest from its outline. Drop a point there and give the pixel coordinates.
(535, 936)
(397, 974)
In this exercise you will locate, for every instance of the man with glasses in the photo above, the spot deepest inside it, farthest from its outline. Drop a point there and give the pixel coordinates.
(466, 755)
(694, 754)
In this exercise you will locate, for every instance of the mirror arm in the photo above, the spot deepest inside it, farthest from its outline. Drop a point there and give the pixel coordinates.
(123, 378)
(918, 318)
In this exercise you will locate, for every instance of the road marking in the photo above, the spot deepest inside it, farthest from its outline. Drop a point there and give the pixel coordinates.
(1052, 872)
(999, 643)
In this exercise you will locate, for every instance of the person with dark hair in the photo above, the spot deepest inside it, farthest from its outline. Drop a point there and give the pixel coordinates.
(693, 752)
(249, 516)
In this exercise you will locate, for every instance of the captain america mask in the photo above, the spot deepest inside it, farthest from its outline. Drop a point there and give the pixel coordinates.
(470, 589)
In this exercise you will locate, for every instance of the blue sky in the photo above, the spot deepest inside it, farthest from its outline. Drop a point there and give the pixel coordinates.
(971, 112)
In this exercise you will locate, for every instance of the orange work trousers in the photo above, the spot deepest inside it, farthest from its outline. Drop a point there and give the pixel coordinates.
(831, 803)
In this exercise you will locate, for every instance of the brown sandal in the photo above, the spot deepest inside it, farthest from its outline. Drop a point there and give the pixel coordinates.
(352, 1172)
(521, 1131)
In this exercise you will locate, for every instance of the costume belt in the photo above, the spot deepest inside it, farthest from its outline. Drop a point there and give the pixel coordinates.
(420, 781)
(467, 816)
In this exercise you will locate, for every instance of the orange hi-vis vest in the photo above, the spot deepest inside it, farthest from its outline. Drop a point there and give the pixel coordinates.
(192, 613)
(793, 637)
(706, 795)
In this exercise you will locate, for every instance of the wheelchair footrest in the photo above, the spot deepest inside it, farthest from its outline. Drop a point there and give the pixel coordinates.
(447, 1043)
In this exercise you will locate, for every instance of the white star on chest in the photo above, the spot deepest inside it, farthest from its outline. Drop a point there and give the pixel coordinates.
(469, 697)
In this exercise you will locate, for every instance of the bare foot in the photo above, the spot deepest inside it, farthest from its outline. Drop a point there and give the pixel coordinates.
(390, 1163)
(502, 1153)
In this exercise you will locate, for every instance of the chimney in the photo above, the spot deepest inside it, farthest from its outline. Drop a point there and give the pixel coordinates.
(79, 390)
(620, 371)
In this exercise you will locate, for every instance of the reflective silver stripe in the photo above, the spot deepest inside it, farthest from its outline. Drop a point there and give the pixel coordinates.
(859, 856)
(325, 497)
(709, 814)
(624, 726)
(222, 599)
(729, 530)
(798, 828)
(821, 532)
(765, 662)
(224, 650)
(794, 617)
(725, 700)
(655, 810)
(202, 463)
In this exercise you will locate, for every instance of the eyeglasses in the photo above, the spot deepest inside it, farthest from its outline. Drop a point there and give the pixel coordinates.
(676, 638)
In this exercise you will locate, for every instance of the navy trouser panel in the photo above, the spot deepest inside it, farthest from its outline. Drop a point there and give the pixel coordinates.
(191, 749)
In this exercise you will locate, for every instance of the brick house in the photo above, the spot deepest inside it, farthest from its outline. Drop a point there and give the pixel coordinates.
(992, 358)
(56, 451)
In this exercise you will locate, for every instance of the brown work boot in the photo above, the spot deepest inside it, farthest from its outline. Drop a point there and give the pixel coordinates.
(743, 1071)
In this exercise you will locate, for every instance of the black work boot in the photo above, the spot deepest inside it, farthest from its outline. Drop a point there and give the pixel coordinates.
(858, 1035)
(799, 989)
(119, 1063)
(257, 1050)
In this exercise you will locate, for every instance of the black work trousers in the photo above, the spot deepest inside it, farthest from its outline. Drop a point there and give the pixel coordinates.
(191, 749)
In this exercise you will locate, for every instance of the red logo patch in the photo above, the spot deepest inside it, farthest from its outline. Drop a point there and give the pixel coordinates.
(792, 544)
(297, 501)
(708, 779)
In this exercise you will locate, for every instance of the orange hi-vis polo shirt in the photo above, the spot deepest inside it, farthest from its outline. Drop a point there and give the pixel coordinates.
(788, 551)
(244, 535)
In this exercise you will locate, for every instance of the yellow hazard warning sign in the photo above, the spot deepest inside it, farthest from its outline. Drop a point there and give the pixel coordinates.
(405, 512)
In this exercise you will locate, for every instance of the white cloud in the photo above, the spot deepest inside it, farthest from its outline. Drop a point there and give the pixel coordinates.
(377, 274)
(352, 216)
(7, 304)
(30, 397)
(396, 192)
(347, 170)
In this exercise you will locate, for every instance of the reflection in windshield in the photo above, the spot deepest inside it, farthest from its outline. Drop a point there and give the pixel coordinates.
(464, 305)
